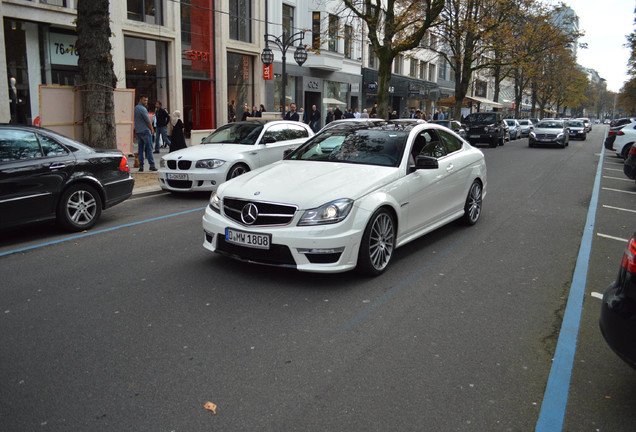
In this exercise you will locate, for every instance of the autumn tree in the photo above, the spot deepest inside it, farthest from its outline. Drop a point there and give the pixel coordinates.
(394, 27)
(98, 79)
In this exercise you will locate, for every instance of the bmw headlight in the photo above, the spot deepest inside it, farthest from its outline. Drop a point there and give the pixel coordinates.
(332, 212)
(215, 202)
(209, 163)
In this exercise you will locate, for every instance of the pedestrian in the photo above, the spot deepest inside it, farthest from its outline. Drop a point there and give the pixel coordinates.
(348, 114)
(162, 118)
(231, 112)
(292, 114)
(314, 118)
(262, 110)
(356, 114)
(439, 115)
(365, 113)
(302, 115)
(337, 114)
(246, 112)
(256, 112)
(329, 117)
(393, 115)
(143, 132)
(178, 141)
(374, 111)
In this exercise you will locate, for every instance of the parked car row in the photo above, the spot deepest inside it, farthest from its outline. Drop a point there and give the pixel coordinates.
(621, 137)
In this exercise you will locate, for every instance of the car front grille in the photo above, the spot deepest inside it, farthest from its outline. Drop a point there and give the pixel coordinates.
(180, 184)
(546, 136)
(268, 213)
(180, 164)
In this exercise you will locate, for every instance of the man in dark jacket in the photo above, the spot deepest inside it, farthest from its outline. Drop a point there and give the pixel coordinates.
(292, 114)
(314, 118)
(329, 118)
(337, 114)
(162, 117)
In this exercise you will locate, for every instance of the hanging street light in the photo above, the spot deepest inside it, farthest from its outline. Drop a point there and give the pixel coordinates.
(284, 42)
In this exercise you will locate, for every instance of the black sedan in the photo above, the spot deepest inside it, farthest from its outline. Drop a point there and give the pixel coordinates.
(47, 176)
(630, 163)
(618, 309)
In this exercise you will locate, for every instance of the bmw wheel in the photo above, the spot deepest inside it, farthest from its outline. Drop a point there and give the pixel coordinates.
(79, 208)
(378, 244)
(472, 207)
(237, 170)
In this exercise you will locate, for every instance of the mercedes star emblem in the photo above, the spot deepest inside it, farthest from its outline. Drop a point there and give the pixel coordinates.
(249, 213)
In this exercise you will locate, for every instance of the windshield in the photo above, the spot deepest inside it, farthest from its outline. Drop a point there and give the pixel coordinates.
(235, 133)
(481, 118)
(511, 122)
(524, 122)
(550, 124)
(357, 146)
(575, 124)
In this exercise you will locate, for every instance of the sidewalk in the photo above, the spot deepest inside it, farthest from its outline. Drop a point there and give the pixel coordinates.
(147, 181)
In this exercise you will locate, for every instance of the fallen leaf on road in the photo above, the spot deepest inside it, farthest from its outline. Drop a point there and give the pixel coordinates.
(210, 407)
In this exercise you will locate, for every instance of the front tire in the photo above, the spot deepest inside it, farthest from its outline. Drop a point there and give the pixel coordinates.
(472, 207)
(237, 170)
(79, 208)
(378, 244)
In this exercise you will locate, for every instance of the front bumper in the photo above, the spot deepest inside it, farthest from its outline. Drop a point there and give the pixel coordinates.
(329, 248)
(194, 180)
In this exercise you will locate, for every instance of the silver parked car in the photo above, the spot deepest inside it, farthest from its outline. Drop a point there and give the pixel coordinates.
(515, 128)
(525, 126)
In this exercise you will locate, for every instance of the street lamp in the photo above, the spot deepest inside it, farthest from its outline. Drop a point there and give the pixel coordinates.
(283, 43)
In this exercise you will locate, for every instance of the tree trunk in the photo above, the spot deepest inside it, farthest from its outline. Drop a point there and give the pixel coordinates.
(384, 79)
(97, 73)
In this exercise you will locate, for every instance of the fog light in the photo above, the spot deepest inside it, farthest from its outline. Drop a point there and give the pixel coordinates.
(320, 251)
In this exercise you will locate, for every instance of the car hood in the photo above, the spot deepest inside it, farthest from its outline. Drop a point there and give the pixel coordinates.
(308, 184)
(208, 151)
(547, 130)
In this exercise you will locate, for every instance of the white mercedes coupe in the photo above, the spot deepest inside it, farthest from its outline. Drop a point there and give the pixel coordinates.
(348, 197)
(230, 151)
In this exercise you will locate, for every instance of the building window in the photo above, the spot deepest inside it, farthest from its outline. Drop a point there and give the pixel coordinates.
(397, 65)
(451, 72)
(241, 20)
(481, 89)
(413, 70)
(372, 58)
(422, 70)
(288, 20)
(54, 2)
(148, 11)
(348, 41)
(431, 71)
(333, 33)
(315, 30)
(441, 72)
(146, 68)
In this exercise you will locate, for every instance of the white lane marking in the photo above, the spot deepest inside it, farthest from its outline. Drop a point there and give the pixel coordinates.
(613, 169)
(619, 208)
(596, 295)
(618, 190)
(618, 178)
(612, 237)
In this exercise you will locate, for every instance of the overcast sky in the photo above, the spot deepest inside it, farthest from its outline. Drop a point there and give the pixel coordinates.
(605, 23)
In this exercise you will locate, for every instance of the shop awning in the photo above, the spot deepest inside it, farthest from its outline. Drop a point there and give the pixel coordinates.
(468, 101)
(332, 101)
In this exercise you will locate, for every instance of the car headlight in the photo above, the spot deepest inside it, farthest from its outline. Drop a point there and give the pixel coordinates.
(215, 202)
(532, 134)
(209, 163)
(561, 135)
(332, 212)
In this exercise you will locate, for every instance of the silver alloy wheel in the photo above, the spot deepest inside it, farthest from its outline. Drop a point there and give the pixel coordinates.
(381, 241)
(237, 170)
(81, 207)
(473, 203)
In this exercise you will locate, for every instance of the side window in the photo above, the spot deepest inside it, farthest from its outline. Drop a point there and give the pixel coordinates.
(50, 147)
(18, 145)
(297, 132)
(429, 144)
(279, 132)
(451, 143)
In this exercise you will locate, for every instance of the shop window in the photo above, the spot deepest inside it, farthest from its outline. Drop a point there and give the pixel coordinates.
(146, 68)
(240, 81)
(148, 11)
(291, 89)
(240, 20)
(315, 30)
(288, 20)
(333, 33)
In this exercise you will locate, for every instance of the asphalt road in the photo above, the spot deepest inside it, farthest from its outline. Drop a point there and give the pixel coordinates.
(134, 326)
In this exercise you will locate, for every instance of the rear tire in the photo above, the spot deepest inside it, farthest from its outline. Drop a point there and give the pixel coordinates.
(79, 208)
(472, 207)
(626, 149)
(377, 245)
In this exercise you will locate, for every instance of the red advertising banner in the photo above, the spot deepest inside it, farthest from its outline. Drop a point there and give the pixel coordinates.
(268, 72)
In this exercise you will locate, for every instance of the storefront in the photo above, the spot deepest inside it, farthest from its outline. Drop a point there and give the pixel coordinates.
(240, 83)
(146, 69)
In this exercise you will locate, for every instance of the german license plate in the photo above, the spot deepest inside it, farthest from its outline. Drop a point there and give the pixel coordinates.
(248, 239)
(176, 176)
(474, 136)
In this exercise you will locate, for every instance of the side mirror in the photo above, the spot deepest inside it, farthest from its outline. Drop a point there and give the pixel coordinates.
(426, 162)
(287, 152)
(269, 139)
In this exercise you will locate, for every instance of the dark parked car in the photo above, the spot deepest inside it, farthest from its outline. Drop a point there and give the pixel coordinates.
(618, 309)
(47, 176)
(486, 127)
(453, 125)
(630, 163)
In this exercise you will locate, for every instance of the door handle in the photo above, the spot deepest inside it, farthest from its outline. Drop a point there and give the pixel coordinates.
(450, 167)
(56, 166)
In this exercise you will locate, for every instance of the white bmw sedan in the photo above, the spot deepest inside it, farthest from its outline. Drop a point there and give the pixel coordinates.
(348, 198)
(230, 151)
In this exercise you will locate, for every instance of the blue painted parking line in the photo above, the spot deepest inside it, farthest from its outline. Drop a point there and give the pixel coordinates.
(92, 233)
(555, 397)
